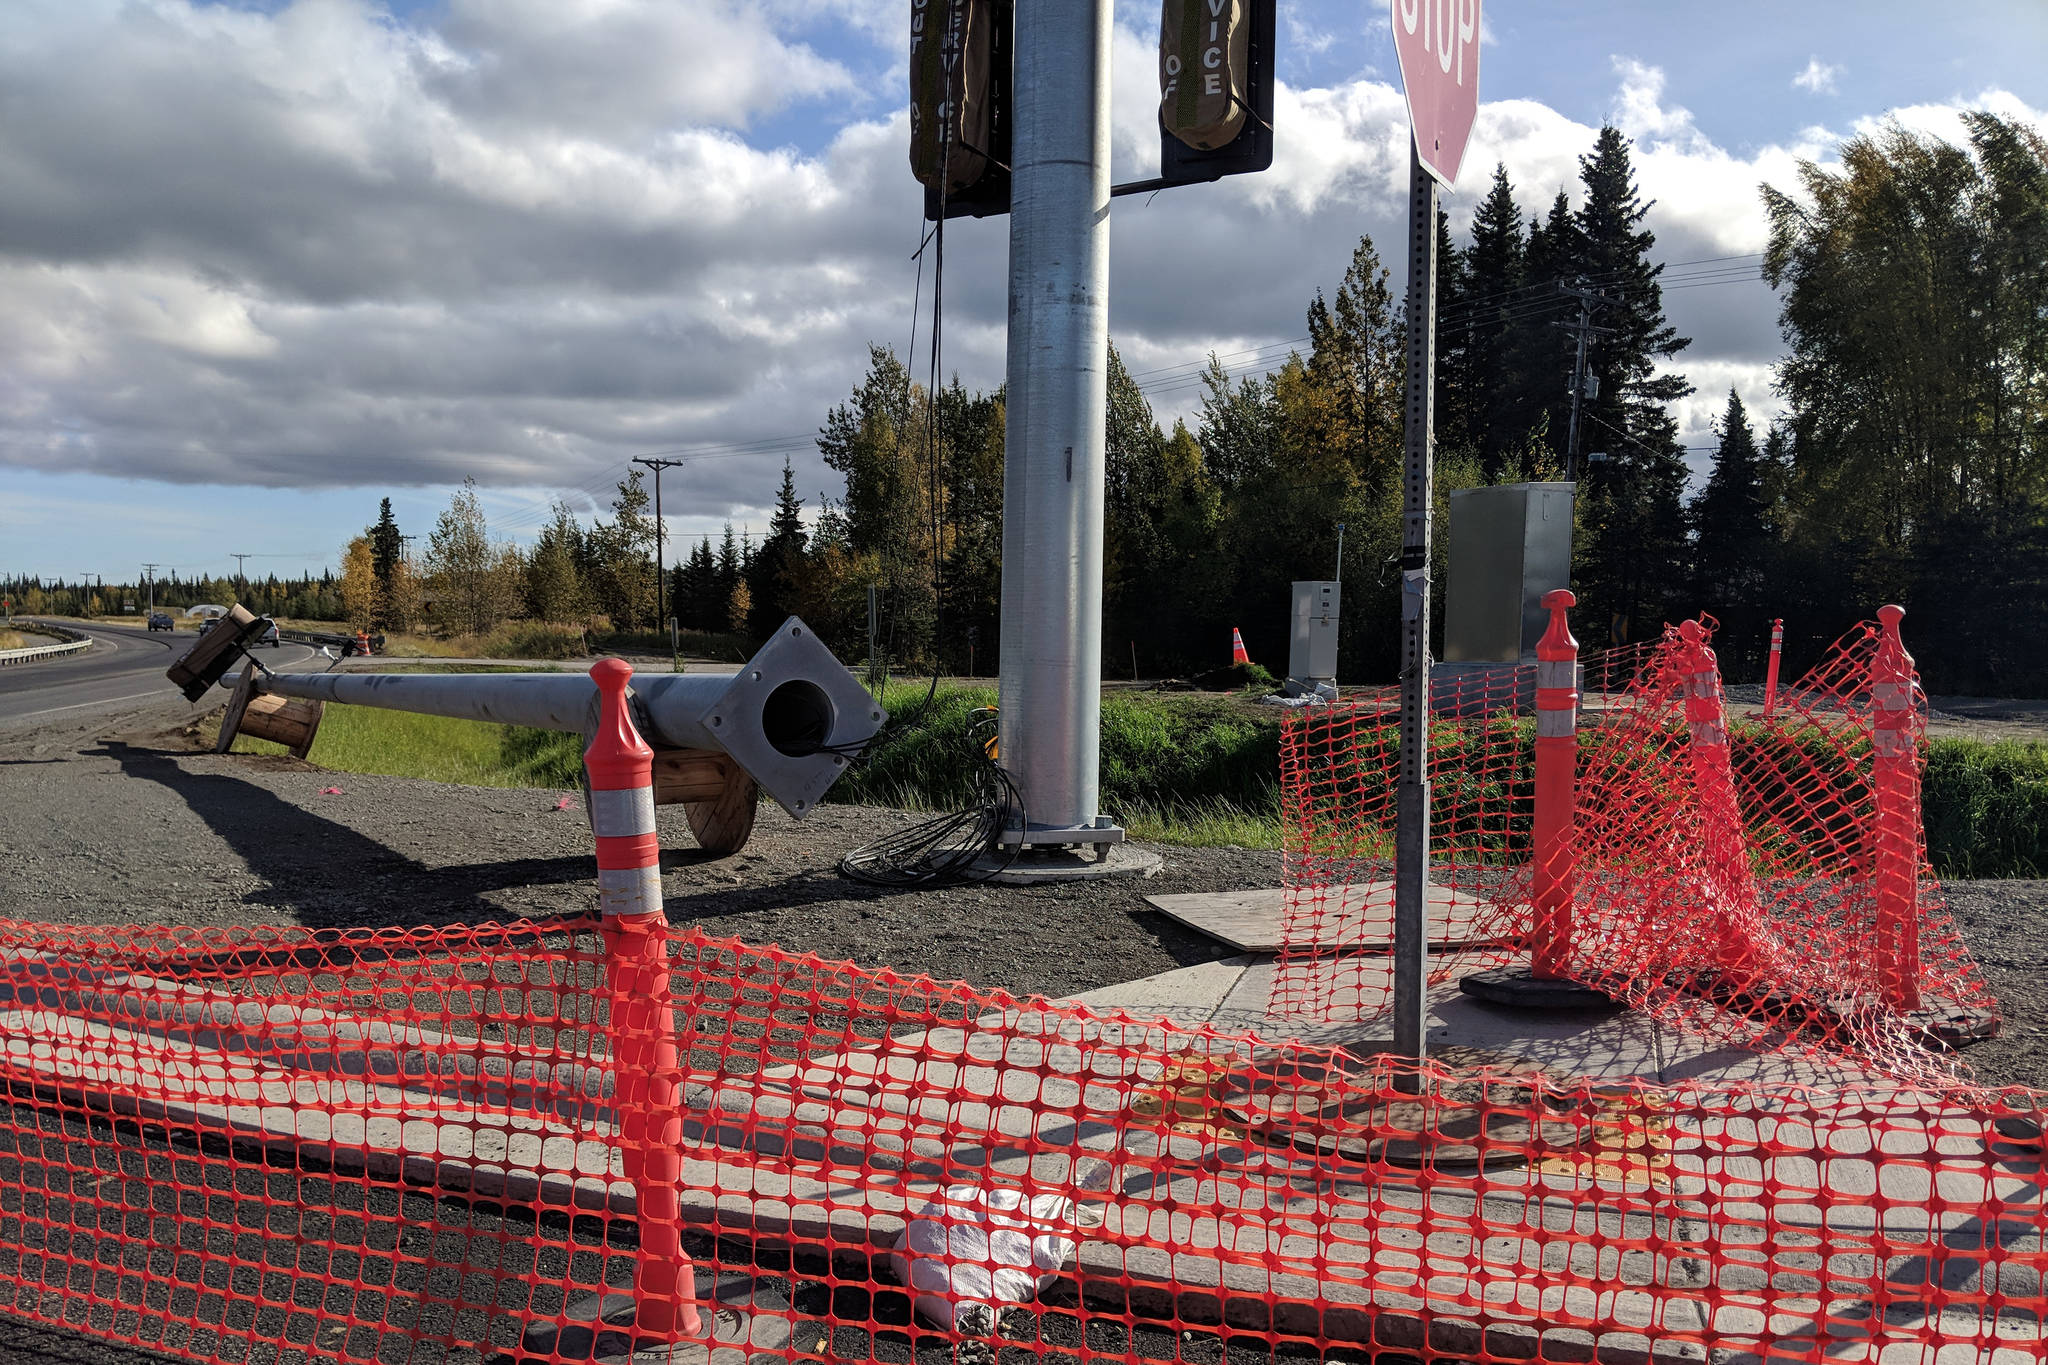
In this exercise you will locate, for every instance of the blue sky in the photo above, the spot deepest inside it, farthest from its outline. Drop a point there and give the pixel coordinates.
(384, 247)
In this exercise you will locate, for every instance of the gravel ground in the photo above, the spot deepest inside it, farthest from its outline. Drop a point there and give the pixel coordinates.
(128, 823)
(139, 828)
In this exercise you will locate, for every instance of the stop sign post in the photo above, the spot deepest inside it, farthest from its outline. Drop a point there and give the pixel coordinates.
(1437, 42)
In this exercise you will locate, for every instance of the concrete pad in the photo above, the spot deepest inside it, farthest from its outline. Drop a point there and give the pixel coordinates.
(1357, 915)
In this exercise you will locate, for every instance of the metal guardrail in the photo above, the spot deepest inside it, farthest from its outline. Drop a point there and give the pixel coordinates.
(74, 643)
(317, 637)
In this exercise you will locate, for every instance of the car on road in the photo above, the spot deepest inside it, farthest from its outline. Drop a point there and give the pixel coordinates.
(269, 635)
(161, 620)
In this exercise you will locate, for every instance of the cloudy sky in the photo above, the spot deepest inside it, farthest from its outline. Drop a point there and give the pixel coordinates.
(263, 263)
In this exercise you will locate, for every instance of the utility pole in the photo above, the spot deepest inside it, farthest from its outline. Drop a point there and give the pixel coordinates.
(1053, 456)
(241, 578)
(1589, 299)
(149, 572)
(660, 565)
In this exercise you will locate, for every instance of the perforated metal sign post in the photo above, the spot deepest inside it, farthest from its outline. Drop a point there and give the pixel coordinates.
(1438, 44)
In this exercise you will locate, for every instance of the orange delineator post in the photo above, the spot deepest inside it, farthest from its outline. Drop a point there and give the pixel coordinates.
(1895, 728)
(647, 1080)
(1771, 673)
(1237, 654)
(1555, 864)
(1732, 886)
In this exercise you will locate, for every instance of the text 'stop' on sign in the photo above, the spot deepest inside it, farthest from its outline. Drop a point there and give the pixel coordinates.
(1437, 43)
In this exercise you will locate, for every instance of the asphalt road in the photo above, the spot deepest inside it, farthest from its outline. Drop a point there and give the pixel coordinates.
(123, 669)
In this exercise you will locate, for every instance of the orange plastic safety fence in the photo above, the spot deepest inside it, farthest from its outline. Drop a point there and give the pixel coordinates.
(275, 1146)
(1761, 880)
(1765, 878)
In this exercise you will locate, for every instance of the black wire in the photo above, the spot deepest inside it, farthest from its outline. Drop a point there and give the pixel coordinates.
(944, 850)
(957, 848)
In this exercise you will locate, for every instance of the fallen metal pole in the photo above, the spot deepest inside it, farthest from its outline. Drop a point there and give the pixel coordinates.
(792, 717)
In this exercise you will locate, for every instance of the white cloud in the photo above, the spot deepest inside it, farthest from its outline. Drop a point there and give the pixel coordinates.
(1818, 77)
(366, 251)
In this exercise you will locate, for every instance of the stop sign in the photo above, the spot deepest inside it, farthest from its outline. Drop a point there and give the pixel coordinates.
(1437, 42)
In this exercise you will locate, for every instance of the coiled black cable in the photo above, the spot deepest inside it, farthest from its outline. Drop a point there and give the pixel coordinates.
(956, 848)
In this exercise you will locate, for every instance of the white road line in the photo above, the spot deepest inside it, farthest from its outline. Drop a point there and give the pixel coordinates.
(79, 706)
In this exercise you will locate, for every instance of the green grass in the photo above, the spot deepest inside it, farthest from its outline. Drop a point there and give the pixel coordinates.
(1198, 769)
(1987, 808)
(361, 739)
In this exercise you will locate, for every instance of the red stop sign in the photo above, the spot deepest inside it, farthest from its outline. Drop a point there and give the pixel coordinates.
(1437, 42)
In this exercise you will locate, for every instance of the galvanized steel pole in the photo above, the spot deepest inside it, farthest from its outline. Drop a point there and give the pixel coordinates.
(1051, 676)
(1411, 838)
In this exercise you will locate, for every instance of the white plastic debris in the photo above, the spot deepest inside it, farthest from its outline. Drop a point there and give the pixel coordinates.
(971, 1250)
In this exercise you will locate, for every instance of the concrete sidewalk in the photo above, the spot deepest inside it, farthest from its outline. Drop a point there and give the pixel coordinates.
(1703, 1232)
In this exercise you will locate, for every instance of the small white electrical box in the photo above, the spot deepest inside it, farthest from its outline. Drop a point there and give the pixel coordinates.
(1312, 655)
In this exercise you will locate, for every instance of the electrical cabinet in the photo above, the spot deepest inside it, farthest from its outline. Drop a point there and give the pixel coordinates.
(1312, 654)
(1510, 544)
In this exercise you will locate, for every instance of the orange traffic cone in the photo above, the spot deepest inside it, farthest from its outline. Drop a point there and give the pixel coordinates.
(1237, 654)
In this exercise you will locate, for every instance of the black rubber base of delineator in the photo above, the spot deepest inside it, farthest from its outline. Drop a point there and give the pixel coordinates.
(750, 1324)
(1937, 1023)
(1519, 988)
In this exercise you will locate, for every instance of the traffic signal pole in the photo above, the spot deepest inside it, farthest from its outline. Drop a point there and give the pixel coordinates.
(1054, 446)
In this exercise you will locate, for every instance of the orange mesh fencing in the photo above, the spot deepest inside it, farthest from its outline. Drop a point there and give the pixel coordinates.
(1762, 879)
(272, 1145)
(1766, 878)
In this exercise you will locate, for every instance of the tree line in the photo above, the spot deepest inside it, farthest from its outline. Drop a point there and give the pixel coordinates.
(1909, 462)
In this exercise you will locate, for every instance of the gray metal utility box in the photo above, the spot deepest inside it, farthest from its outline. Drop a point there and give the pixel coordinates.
(1312, 655)
(1510, 544)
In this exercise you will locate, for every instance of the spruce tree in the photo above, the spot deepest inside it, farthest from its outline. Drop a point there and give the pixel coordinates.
(387, 548)
(1455, 381)
(1634, 567)
(1543, 353)
(778, 565)
(1732, 542)
(1494, 278)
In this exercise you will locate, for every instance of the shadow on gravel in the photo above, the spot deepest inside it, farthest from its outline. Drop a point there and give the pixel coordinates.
(331, 876)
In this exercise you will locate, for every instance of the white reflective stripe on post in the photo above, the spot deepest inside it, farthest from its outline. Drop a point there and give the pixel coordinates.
(623, 813)
(1707, 732)
(628, 890)
(1557, 673)
(1556, 724)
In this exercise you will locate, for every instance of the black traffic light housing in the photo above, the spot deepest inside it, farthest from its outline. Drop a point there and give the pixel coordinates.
(991, 193)
(1179, 164)
(1252, 149)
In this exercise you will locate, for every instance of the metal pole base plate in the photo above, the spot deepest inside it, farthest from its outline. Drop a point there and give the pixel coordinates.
(1519, 988)
(750, 1324)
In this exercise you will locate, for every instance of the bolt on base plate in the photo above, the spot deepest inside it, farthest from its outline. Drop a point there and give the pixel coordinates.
(750, 1324)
